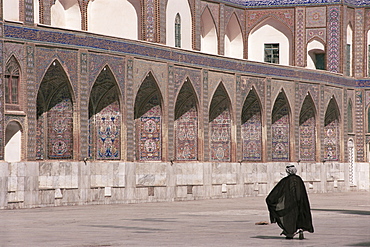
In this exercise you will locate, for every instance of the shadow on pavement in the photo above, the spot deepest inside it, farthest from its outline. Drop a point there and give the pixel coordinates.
(358, 212)
(361, 244)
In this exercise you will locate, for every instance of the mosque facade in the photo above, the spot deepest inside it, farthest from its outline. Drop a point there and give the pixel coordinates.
(122, 101)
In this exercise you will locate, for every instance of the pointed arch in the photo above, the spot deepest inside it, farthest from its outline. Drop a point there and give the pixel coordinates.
(332, 131)
(220, 125)
(66, 14)
(234, 45)
(251, 120)
(280, 128)
(105, 118)
(186, 123)
(316, 54)
(12, 82)
(113, 17)
(209, 37)
(179, 10)
(13, 142)
(55, 115)
(307, 130)
(271, 41)
(148, 120)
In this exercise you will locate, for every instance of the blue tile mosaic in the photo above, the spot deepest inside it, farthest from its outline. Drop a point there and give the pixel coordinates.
(262, 3)
(135, 48)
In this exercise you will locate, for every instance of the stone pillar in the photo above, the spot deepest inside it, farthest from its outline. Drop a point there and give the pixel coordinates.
(28, 12)
(205, 102)
(238, 109)
(130, 123)
(221, 33)
(31, 94)
(83, 106)
(359, 44)
(359, 126)
(196, 25)
(300, 41)
(268, 112)
(334, 39)
(171, 113)
(83, 6)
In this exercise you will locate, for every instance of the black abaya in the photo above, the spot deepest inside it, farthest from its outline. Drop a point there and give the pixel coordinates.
(289, 206)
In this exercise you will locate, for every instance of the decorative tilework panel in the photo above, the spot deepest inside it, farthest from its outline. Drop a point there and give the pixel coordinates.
(40, 133)
(316, 33)
(280, 136)
(220, 136)
(286, 16)
(316, 17)
(300, 39)
(307, 140)
(149, 131)
(252, 137)
(187, 135)
(60, 126)
(333, 56)
(108, 124)
(331, 141)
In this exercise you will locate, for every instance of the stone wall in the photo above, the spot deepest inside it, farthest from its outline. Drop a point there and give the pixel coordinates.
(41, 184)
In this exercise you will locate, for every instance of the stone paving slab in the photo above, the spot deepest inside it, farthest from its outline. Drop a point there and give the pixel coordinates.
(340, 219)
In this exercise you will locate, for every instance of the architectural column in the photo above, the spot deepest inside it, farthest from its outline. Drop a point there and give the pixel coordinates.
(31, 103)
(171, 113)
(321, 114)
(221, 32)
(359, 44)
(268, 113)
(2, 98)
(359, 126)
(130, 136)
(83, 105)
(150, 20)
(205, 108)
(83, 7)
(300, 41)
(238, 117)
(196, 25)
(334, 39)
(295, 122)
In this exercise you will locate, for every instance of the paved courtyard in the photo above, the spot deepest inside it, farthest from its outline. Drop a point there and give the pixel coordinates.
(340, 219)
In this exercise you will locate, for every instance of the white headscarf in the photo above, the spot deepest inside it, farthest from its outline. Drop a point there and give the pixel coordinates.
(291, 170)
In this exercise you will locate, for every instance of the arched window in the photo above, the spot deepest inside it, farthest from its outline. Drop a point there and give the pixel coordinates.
(233, 39)
(12, 82)
(13, 142)
(307, 130)
(271, 42)
(178, 31)
(209, 38)
(348, 67)
(316, 55)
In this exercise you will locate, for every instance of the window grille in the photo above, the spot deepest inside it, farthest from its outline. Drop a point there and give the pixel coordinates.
(272, 53)
(178, 31)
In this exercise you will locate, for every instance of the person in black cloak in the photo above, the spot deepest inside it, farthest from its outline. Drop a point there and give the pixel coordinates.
(289, 206)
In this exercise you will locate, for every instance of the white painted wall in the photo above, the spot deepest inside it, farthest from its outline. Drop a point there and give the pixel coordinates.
(182, 7)
(13, 142)
(208, 38)
(113, 17)
(270, 32)
(36, 11)
(11, 10)
(66, 14)
(313, 48)
(234, 45)
(349, 42)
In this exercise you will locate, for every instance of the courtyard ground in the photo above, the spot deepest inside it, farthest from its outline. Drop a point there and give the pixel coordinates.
(340, 219)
